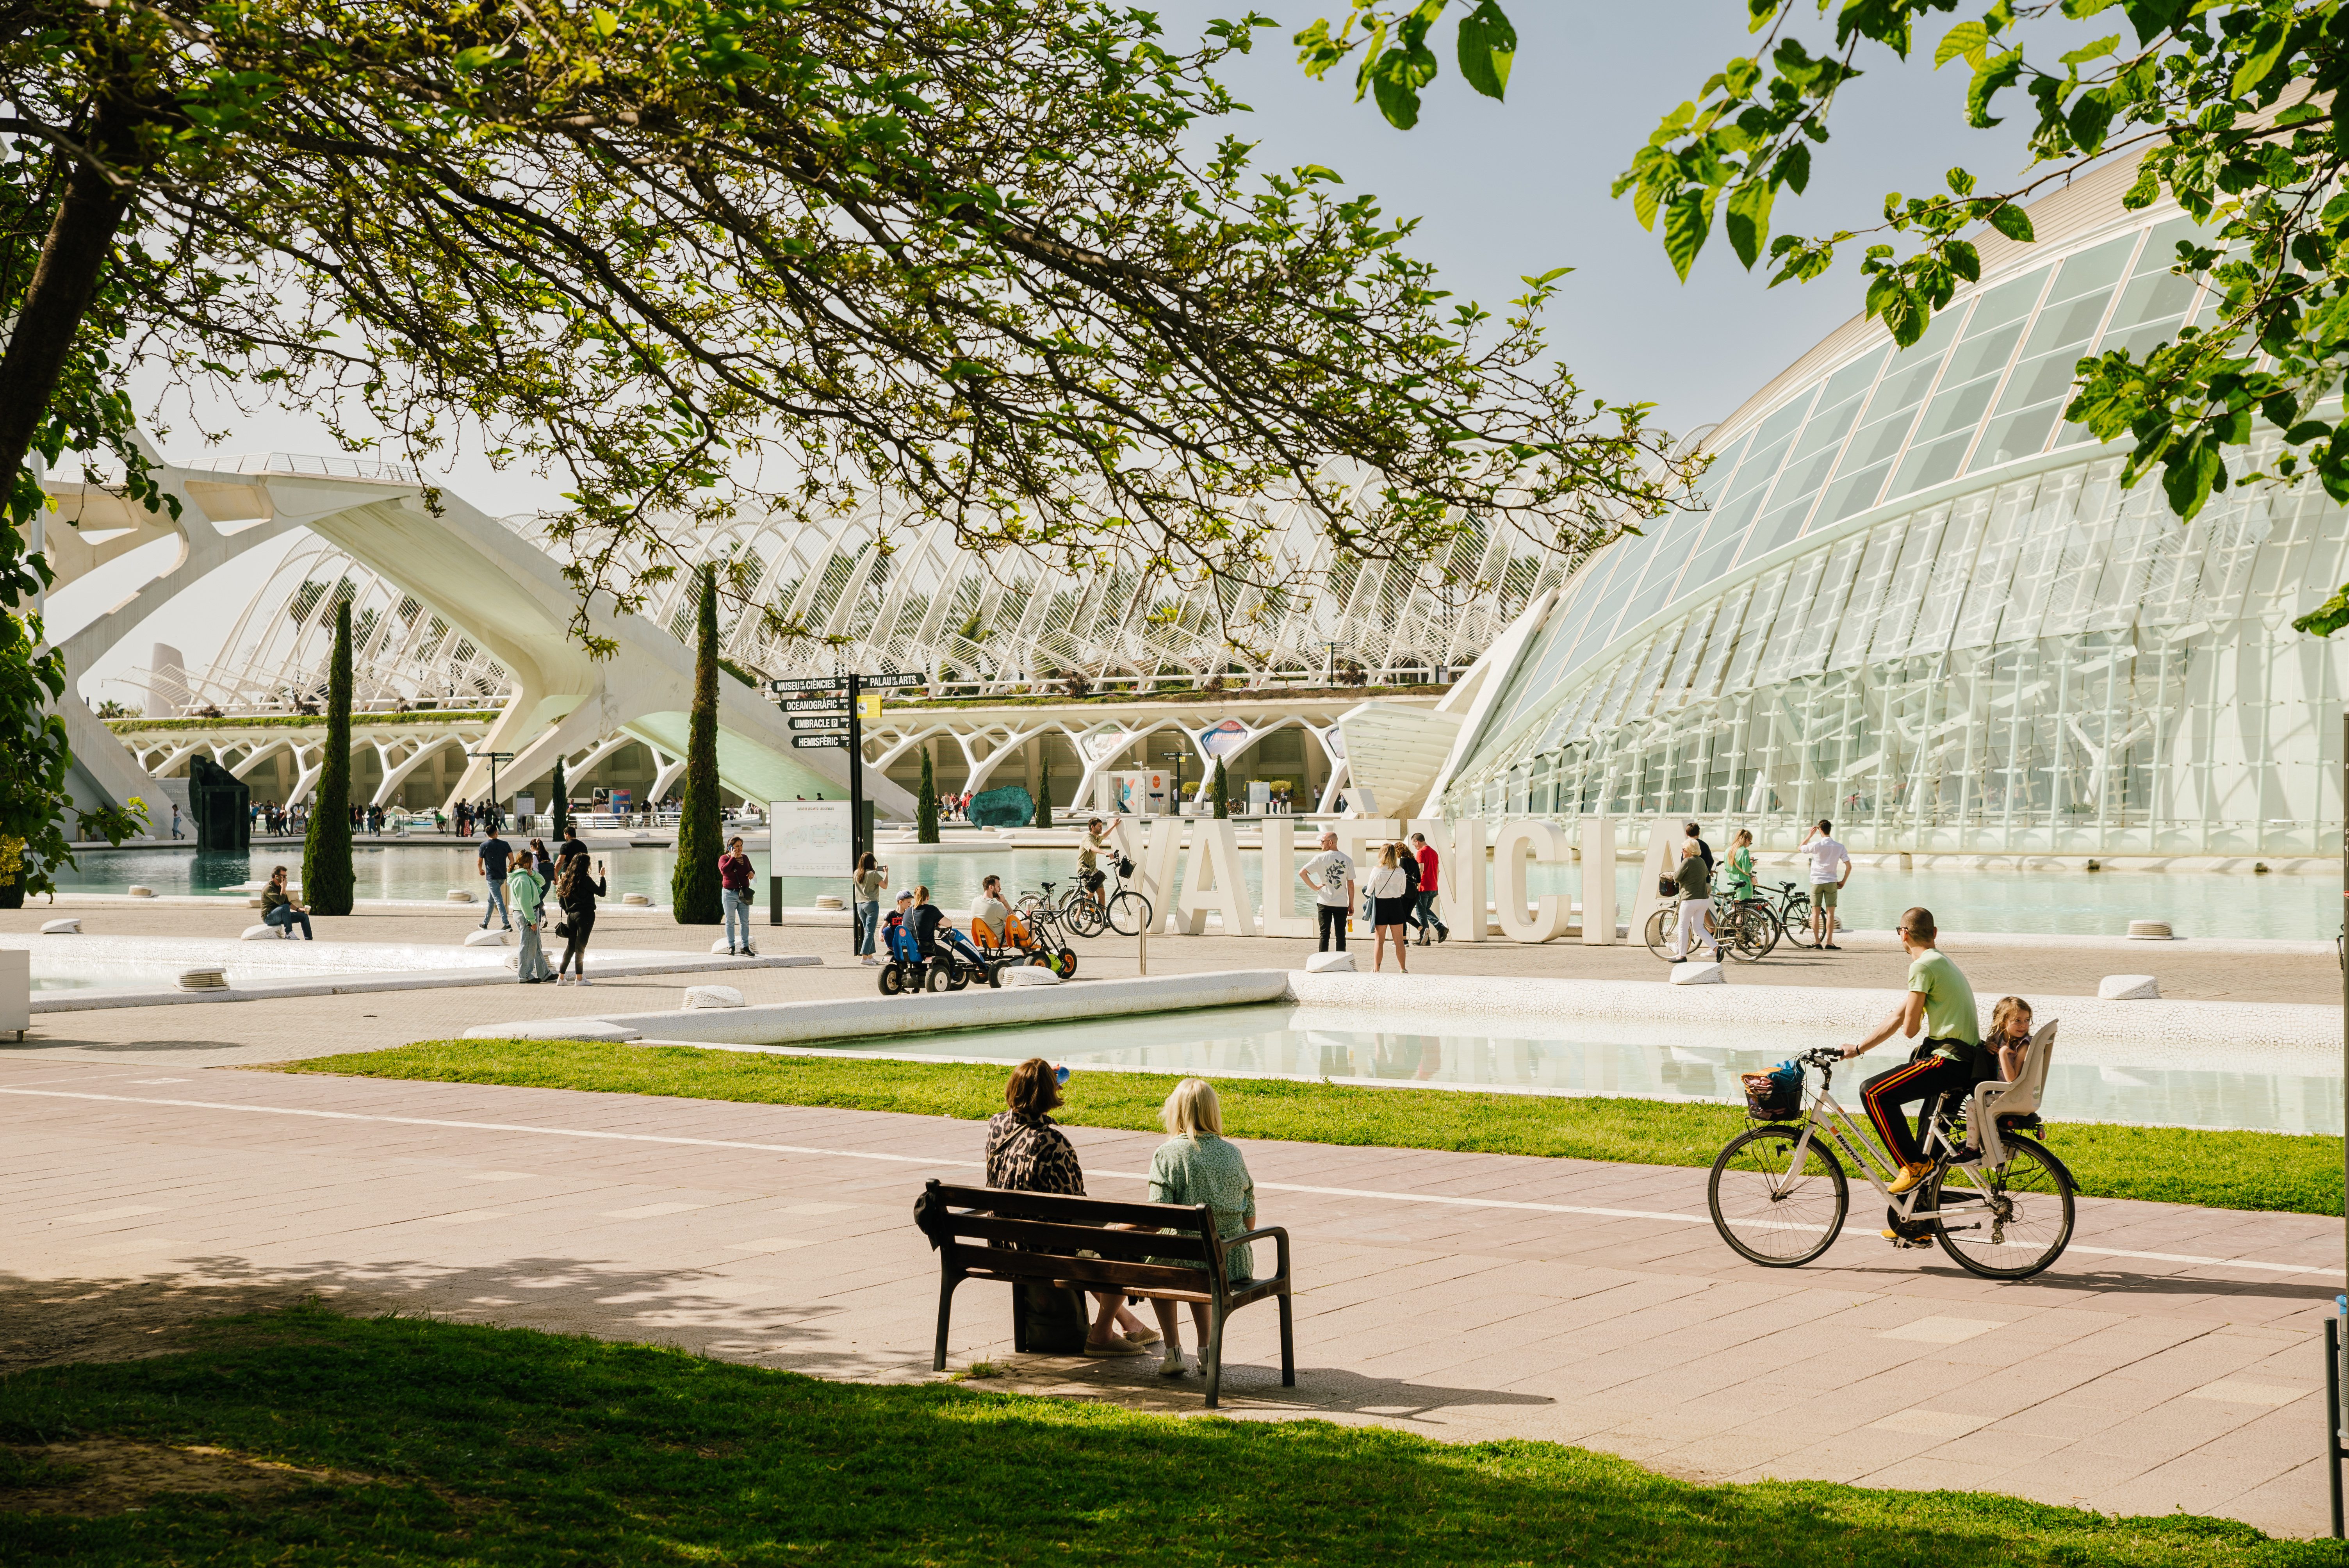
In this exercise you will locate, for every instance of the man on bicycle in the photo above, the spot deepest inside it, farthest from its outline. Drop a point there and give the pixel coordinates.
(1941, 1003)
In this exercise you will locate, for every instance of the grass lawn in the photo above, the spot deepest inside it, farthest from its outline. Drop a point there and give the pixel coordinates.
(2218, 1170)
(440, 1443)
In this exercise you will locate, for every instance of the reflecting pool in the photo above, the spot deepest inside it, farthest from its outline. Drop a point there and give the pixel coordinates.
(1331, 1043)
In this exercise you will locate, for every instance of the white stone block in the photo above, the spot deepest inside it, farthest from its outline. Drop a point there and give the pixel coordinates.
(829, 900)
(2149, 930)
(486, 938)
(712, 996)
(138, 891)
(1031, 975)
(635, 901)
(460, 895)
(1330, 963)
(209, 977)
(720, 946)
(555, 1029)
(1696, 972)
(263, 933)
(70, 926)
(2128, 988)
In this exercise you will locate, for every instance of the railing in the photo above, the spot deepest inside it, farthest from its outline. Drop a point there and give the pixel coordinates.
(335, 466)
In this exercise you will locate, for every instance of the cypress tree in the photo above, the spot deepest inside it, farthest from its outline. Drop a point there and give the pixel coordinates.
(1223, 791)
(925, 810)
(326, 875)
(561, 803)
(1044, 790)
(693, 885)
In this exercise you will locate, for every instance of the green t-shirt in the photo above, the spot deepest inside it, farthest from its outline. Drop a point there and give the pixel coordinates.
(1950, 1012)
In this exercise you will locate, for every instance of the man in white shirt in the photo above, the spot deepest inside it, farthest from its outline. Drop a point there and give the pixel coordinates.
(989, 906)
(1330, 875)
(1830, 869)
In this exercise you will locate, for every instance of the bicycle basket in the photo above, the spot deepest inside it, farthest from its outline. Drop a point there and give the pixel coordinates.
(1125, 866)
(1776, 1095)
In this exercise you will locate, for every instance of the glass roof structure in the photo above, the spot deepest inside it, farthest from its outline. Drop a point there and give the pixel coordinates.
(1916, 600)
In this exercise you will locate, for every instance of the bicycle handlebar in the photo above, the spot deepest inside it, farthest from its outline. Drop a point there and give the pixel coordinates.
(1824, 1057)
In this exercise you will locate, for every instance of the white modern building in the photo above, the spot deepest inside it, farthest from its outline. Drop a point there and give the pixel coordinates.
(1916, 601)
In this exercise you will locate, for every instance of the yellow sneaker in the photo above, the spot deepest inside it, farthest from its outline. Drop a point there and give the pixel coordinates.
(1908, 1178)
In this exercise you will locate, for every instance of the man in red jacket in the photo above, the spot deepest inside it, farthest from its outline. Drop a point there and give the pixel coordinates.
(1425, 915)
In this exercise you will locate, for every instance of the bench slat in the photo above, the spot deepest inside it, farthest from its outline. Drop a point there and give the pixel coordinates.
(1059, 1206)
(999, 1264)
(1036, 1235)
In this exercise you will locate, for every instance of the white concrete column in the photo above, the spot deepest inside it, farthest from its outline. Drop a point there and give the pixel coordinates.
(1548, 915)
(1599, 881)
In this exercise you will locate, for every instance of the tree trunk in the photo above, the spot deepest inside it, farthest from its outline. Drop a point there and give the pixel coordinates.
(73, 258)
(327, 874)
(693, 886)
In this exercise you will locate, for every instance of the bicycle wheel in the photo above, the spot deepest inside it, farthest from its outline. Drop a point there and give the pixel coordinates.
(1660, 927)
(1797, 922)
(1769, 1212)
(1746, 933)
(1129, 913)
(2025, 1220)
(1085, 918)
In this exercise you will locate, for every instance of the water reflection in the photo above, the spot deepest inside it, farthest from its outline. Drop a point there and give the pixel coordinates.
(1269, 1039)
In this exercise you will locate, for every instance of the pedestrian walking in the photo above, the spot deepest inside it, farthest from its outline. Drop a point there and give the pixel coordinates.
(871, 877)
(1830, 870)
(526, 893)
(1330, 875)
(1430, 866)
(492, 859)
(175, 821)
(1695, 884)
(576, 891)
(734, 894)
(1701, 847)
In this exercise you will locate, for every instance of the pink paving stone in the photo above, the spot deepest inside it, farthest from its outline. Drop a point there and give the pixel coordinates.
(1624, 1333)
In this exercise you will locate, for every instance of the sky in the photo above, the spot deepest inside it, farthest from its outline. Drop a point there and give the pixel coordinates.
(1502, 191)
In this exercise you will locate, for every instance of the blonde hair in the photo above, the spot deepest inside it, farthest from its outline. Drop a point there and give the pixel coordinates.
(1387, 856)
(1192, 1109)
(2001, 1016)
(1744, 836)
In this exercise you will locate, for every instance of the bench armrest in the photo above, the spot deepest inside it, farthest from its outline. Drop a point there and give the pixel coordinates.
(1276, 1234)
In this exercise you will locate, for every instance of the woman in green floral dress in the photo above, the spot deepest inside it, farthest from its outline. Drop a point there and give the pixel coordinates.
(1199, 1165)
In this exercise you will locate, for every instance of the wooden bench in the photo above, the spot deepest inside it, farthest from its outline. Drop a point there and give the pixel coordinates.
(1045, 1231)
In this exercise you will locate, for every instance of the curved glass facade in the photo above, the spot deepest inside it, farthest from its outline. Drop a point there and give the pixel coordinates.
(1918, 602)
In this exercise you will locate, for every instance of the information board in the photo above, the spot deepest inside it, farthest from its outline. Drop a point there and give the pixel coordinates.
(809, 839)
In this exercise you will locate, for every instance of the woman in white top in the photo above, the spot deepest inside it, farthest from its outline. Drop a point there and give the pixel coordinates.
(1390, 890)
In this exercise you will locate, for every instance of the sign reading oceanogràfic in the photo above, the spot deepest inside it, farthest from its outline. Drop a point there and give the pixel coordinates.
(817, 704)
(820, 742)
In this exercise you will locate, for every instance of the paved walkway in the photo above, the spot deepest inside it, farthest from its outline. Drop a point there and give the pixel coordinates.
(2170, 1361)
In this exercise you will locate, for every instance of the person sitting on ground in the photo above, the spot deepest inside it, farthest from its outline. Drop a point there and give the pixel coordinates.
(2009, 1041)
(279, 908)
(1026, 1152)
(1695, 879)
(1198, 1165)
(990, 918)
(1941, 1003)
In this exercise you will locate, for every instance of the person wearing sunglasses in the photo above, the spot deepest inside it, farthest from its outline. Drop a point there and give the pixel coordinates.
(1026, 1152)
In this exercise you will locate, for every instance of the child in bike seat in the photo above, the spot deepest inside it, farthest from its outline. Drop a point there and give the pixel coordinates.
(2010, 1036)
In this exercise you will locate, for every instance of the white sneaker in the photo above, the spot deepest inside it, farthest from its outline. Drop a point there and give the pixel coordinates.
(1173, 1366)
(583, 980)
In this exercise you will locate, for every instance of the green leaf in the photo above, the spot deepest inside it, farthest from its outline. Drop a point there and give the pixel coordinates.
(1748, 220)
(2326, 618)
(2266, 48)
(2095, 51)
(1686, 222)
(2011, 220)
(1793, 168)
(1488, 44)
(1967, 39)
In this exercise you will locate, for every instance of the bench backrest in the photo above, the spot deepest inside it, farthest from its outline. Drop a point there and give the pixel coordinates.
(1049, 1229)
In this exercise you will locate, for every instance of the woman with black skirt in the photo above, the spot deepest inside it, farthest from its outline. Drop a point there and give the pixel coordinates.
(575, 890)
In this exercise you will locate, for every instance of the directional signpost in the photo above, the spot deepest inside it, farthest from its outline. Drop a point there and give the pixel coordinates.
(827, 715)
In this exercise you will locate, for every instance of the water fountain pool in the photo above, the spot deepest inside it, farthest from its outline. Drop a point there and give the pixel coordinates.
(1353, 1045)
(2196, 903)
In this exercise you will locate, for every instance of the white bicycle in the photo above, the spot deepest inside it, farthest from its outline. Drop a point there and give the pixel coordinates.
(1779, 1195)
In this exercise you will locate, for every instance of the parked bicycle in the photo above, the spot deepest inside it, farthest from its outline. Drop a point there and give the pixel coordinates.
(1745, 930)
(1779, 1195)
(1792, 911)
(1116, 908)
